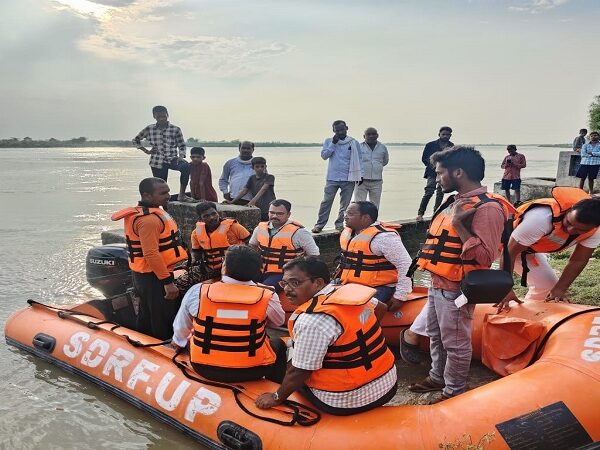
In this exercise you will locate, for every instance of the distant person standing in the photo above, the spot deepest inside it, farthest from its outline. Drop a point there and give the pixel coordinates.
(374, 158)
(201, 177)
(343, 172)
(432, 186)
(512, 165)
(590, 162)
(579, 141)
(166, 139)
(236, 172)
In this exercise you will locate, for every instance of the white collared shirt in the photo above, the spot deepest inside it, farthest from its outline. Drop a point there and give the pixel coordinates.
(183, 323)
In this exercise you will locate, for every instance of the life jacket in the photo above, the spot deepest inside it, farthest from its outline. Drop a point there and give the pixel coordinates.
(440, 254)
(170, 244)
(215, 243)
(229, 330)
(277, 249)
(360, 354)
(563, 199)
(358, 262)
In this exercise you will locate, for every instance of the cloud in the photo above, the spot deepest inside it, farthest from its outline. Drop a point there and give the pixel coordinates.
(536, 6)
(134, 31)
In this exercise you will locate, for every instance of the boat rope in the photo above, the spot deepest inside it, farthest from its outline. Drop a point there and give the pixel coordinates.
(553, 328)
(300, 414)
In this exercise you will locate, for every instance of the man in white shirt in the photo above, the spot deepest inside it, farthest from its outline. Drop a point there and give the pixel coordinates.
(374, 158)
(240, 266)
(540, 230)
(340, 385)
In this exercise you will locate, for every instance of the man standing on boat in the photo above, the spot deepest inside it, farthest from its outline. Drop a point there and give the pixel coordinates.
(225, 324)
(166, 139)
(464, 235)
(344, 171)
(373, 254)
(154, 246)
(236, 172)
(550, 225)
(340, 361)
(432, 185)
(279, 241)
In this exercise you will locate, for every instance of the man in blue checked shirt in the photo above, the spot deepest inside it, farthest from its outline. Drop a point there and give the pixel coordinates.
(167, 151)
(590, 162)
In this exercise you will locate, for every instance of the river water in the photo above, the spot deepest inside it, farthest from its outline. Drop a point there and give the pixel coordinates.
(57, 201)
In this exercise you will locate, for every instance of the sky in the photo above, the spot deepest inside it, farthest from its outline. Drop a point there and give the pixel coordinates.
(496, 71)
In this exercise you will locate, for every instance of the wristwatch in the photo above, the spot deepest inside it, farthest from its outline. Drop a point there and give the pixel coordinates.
(275, 396)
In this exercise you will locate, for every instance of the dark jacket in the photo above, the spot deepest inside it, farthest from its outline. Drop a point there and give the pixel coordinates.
(430, 149)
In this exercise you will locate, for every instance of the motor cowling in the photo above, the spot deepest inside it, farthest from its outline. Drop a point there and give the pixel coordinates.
(107, 269)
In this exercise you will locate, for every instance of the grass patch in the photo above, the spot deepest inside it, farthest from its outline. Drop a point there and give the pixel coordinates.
(585, 289)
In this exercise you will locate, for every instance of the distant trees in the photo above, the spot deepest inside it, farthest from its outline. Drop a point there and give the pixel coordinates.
(595, 114)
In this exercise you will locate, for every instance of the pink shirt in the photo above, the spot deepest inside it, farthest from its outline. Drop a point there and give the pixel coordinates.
(512, 171)
(484, 245)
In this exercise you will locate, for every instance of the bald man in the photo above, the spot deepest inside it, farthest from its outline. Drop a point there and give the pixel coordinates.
(374, 158)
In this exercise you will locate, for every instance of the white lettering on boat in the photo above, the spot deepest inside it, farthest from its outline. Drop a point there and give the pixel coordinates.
(159, 395)
(76, 342)
(591, 343)
(138, 373)
(204, 402)
(102, 347)
(117, 361)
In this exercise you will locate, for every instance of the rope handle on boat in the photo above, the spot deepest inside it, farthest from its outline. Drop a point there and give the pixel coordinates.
(69, 314)
(301, 414)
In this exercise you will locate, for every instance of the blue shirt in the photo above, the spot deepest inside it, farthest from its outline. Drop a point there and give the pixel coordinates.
(590, 154)
(339, 159)
(235, 176)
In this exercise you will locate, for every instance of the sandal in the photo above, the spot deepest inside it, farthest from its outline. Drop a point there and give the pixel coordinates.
(409, 352)
(426, 385)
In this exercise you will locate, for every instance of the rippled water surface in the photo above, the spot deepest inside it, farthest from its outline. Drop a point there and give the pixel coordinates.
(55, 204)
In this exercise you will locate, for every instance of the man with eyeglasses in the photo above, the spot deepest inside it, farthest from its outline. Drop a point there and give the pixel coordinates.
(340, 360)
(280, 240)
(550, 225)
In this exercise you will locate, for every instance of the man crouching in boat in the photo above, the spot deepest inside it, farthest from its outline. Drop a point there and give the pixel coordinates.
(340, 360)
(154, 246)
(227, 321)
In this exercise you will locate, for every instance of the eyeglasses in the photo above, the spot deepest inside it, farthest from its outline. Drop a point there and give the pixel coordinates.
(294, 284)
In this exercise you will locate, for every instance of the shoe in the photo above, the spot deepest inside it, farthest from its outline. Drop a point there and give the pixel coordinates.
(438, 399)
(409, 352)
(419, 218)
(317, 230)
(426, 385)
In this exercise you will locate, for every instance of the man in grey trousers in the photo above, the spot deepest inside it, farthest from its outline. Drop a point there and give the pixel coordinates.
(344, 170)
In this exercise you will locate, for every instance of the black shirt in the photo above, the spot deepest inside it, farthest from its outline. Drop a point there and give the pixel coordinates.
(431, 148)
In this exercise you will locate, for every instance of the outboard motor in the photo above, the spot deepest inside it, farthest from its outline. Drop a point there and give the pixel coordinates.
(107, 269)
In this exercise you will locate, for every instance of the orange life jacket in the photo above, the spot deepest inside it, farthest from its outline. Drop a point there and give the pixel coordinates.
(277, 249)
(230, 328)
(563, 199)
(358, 262)
(170, 245)
(440, 254)
(360, 354)
(215, 243)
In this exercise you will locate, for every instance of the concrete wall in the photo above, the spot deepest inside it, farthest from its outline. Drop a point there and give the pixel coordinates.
(531, 188)
(568, 163)
(413, 233)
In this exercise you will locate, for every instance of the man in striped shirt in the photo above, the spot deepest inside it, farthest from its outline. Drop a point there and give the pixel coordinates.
(166, 139)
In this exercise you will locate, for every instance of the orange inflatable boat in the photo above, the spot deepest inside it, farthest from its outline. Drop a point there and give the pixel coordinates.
(549, 398)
